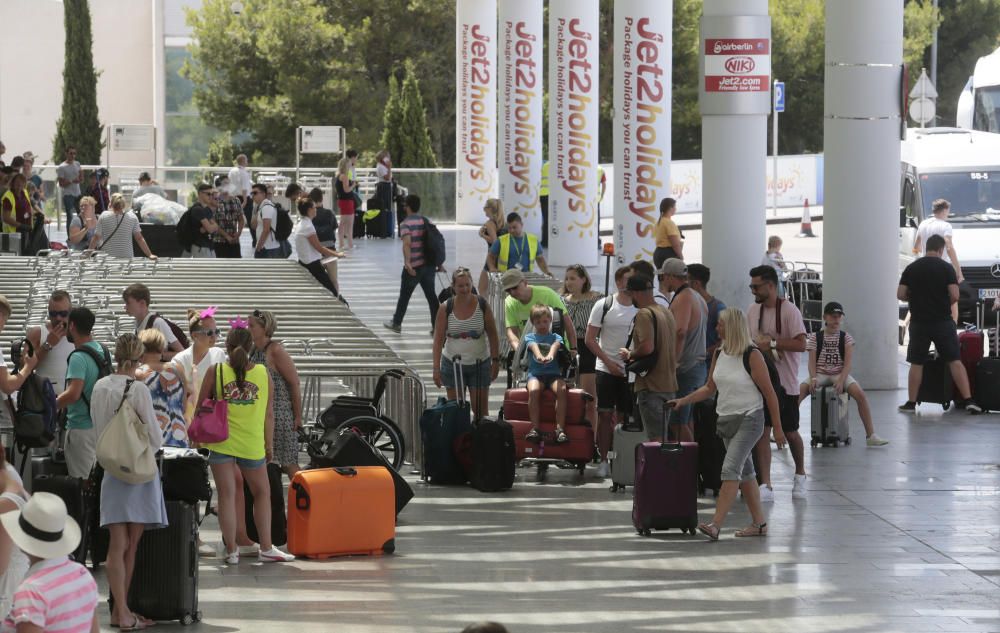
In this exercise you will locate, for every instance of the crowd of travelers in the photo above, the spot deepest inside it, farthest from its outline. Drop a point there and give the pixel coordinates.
(163, 379)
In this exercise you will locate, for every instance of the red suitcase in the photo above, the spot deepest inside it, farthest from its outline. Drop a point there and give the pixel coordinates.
(971, 344)
(666, 486)
(515, 406)
(579, 450)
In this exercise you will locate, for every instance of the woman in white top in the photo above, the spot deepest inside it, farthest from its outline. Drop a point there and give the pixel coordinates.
(739, 373)
(310, 252)
(194, 361)
(127, 509)
(463, 327)
(13, 562)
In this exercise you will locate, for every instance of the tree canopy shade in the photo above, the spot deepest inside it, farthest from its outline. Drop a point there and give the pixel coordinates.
(78, 124)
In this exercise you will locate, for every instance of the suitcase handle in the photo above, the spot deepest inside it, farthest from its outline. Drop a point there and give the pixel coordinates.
(346, 471)
(301, 496)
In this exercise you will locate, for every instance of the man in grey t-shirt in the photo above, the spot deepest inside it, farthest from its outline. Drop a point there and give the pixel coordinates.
(70, 176)
(691, 315)
(146, 185)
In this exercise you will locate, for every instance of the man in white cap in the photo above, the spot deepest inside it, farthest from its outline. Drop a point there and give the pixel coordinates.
(56, 594)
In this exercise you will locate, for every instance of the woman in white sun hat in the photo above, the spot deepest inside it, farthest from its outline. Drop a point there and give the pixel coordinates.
(57, 594)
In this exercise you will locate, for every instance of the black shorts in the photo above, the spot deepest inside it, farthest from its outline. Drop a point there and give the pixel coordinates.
(588, 362)
(788, 409)
(613, 393)
(942, 333)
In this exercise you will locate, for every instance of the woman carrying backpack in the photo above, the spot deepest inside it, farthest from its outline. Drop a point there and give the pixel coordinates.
(127, 509)
(465, 327)
(739, 373)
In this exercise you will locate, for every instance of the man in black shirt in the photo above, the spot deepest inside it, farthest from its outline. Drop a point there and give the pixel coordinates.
(930, 286)
(203, 222)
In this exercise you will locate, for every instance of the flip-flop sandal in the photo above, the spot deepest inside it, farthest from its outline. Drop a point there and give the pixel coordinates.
(139, 625)
(561, 437)
(533, 436)
(753, 530)
(710, 530)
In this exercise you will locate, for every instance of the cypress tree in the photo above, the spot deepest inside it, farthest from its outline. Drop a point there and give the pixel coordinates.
(413, 128)
(392, 122)
(78, 124)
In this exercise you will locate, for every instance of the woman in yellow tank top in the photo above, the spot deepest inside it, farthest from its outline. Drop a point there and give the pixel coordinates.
(669, 239)
(247, 389)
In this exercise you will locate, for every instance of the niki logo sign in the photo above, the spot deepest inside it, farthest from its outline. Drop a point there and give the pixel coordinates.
(740, 65)
(737, 65)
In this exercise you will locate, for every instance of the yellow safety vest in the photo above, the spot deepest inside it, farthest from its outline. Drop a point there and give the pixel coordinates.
(543, 188)
(503, 264)
(9, 195)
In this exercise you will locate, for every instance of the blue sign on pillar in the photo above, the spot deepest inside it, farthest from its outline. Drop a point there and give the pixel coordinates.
(779, 96)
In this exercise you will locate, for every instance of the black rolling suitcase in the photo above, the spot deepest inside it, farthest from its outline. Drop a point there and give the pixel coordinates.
(378, 226)
(279, 525)
(493, 455)
(83, 503)
(350, 449)
(165, 582)
(936, 384)
(711, 449)
(988, 373)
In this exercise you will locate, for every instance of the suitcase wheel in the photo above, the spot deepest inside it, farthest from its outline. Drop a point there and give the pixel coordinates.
(813, 442)
(614, 488)
(847, 441)
(645, 532)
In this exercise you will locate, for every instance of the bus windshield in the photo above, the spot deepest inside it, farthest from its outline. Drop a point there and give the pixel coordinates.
(987, 109)
(969, 192)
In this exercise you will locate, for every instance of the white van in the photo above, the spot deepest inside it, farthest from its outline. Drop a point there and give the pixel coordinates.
(963, 167)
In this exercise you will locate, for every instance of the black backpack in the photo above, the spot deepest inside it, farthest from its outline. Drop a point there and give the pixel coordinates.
(434, 246)
(284, 229)
(841, 343)
(174, 328)
(772, 371)
(36, 417)
(185, 231)
(102, 359)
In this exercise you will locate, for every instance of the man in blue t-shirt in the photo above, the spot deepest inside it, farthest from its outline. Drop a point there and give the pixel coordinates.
(698, 276)
(516, 250)
(82, 372)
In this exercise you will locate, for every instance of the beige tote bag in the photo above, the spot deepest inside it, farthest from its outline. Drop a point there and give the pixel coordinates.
(123, 448)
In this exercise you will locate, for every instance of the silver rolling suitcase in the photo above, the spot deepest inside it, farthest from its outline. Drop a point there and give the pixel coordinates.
(829, 418)
(622, 456)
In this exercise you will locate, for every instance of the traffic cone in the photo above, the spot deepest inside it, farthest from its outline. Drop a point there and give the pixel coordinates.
(807, 227)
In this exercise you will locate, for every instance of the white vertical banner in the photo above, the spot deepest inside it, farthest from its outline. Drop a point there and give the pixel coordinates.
(574, 40)
(476, 107)
(520, 86)
(643, 48)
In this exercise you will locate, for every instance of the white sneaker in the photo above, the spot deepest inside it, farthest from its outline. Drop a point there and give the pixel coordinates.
(249, 550)
(207, 551)
(875, 440)
(603, 469)
(274, 555)
(799, 487)
(233, 558)
(766, 494)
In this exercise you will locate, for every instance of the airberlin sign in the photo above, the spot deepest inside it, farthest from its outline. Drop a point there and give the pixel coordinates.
(738, 65)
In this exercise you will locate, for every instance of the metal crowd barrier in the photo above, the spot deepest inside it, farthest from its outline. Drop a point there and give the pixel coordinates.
(335, 353)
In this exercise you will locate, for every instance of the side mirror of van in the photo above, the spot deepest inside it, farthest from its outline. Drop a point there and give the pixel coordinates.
(913, 223)
(902, 217)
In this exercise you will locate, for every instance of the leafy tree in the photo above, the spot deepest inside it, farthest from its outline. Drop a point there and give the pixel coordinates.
(417, 151)
(392, 122)
(78, 124)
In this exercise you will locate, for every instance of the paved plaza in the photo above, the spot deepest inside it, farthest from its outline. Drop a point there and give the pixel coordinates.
(902, 538)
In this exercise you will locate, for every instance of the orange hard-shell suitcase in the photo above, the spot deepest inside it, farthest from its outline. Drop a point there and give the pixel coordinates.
(341, 511)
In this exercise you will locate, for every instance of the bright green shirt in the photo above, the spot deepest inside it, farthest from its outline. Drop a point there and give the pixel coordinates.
(247, 413)
(516, 314)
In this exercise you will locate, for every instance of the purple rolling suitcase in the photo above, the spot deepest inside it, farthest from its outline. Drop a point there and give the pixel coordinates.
(666, 485)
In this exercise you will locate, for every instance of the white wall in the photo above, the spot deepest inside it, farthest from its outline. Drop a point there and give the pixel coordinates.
(32, 88)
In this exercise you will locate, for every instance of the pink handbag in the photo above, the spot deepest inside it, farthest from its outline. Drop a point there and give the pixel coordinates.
(211, 420)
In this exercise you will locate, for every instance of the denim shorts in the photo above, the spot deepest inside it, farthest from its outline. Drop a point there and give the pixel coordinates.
(738, 464)
(472, 378)
(688, 381)
(545, 379)
(217, 459)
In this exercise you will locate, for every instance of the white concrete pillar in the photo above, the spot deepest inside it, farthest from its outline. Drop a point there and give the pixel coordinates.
(735, 100)
(861, 131)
